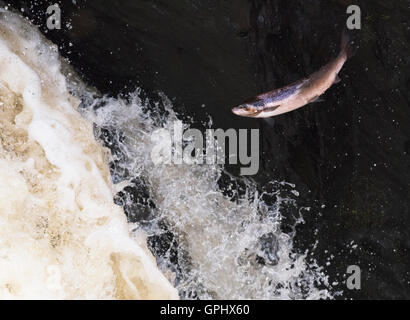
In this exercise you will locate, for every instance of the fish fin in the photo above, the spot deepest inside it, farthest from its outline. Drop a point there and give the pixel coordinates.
(303, 82)
(271, 108)
(346, 46)
(257, 113)
(337, 79)
(269, 121)
(316, 99)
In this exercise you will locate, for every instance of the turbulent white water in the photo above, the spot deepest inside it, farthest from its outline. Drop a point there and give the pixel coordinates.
(61, 234)
(222, 238)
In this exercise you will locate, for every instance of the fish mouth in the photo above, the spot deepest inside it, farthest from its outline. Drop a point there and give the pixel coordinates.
(238, 111)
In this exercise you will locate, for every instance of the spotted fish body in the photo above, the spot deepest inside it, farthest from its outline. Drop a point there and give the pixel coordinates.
(297, 94)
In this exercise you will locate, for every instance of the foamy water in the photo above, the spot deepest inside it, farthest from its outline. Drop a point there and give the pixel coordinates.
(61, 234)
(221, 242)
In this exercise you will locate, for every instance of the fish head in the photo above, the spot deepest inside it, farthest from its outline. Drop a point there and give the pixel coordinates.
(247, 110)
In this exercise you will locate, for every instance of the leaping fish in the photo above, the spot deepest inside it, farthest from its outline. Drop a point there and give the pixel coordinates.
(299, 93)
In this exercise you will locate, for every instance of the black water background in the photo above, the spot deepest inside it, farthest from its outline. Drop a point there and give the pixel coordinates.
(349, 155)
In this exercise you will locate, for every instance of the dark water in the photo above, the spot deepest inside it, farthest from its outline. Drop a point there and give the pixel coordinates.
(349, 155)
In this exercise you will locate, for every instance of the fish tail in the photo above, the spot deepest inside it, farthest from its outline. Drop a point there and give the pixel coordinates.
(345, 46)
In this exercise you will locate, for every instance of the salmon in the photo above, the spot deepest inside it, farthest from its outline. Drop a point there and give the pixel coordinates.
(299, 93)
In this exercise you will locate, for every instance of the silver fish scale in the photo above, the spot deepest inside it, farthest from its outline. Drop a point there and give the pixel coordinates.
(282, 93)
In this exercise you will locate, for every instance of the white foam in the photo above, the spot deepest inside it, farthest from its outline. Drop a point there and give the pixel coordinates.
(222, 238)
(61, 236)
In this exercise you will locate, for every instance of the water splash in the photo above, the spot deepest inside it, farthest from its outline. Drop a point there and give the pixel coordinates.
(221, 243)
(212, 239)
